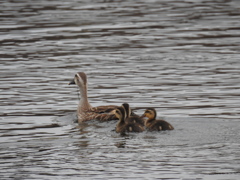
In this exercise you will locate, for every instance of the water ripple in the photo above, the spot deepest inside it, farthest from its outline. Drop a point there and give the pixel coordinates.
(181, 57)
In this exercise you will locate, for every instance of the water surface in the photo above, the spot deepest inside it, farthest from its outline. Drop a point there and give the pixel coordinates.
(181, 57)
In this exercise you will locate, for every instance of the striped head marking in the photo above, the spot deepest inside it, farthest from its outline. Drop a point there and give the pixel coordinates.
(127, 109)
(120, 113)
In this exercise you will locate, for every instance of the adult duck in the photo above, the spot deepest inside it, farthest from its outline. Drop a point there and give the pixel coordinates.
(85, 111)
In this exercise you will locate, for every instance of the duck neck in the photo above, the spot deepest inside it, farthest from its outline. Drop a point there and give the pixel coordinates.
(129, 111)
(149, 121)
(83, 103)
(121, 121)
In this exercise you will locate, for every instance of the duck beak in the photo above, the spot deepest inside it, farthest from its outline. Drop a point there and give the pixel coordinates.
(71, 82)
(145, 118)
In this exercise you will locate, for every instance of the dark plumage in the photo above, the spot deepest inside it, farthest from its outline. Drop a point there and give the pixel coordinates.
(132, 117)
(155, 125)
(123, 126)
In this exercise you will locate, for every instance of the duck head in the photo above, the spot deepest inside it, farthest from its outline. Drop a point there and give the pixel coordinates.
(150, 114)
(80, 79)
(127, 109)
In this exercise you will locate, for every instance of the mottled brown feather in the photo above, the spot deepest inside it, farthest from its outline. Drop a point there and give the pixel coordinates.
(103, 109)
(85, 110)
(86, 116)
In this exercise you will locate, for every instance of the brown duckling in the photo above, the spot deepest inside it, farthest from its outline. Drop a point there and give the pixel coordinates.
(122, 126)
(131, 117)
(155, 125)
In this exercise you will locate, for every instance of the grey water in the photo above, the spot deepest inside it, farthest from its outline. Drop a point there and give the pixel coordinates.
(180, 57)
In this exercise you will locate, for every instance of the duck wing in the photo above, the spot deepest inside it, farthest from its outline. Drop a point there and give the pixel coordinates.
(103, 116)
(103, 109)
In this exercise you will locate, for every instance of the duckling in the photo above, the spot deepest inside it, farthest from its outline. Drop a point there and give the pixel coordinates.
(85, 111)
(122, 126)
(131, 117)
(155, 125)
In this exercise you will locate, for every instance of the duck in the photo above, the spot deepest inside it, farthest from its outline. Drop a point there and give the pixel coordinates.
(131, 117)
(85, 110)
(152, 124)
(122, 126)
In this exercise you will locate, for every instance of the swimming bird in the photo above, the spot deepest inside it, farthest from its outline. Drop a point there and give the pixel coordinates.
(85, 111)
(155, 125)
(123, 126)
(131, 117)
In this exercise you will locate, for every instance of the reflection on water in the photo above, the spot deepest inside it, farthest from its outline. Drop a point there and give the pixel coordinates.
(181, 57)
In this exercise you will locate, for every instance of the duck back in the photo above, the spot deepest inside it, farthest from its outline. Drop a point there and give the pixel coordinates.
(159, 125)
